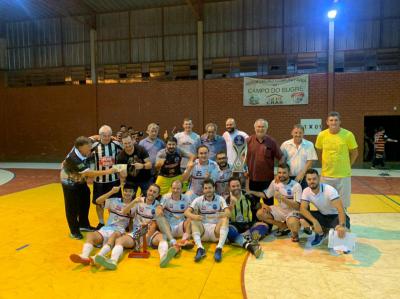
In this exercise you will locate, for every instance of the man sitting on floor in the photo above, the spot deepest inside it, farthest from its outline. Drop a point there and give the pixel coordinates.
(115, 227)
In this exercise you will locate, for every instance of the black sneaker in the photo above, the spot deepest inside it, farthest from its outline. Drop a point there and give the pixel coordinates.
(87, 229)
(77, 236)
(307, 230)
(100, 225)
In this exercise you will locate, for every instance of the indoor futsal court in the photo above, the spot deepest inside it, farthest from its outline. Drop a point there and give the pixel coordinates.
(267, 94)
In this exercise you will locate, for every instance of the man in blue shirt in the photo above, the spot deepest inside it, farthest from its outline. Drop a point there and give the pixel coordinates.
(153, 145)
(214, 142)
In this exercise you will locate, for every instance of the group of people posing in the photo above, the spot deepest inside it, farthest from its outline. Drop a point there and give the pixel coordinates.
(187, 189)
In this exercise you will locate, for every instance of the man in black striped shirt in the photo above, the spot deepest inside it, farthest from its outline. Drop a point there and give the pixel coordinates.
(105, 153)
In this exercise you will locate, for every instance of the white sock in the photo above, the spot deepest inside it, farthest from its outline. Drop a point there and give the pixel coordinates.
(117, 252)
(104, 250)
(162, 248)
(223, 233)
(86, 250)
(197, 239)
(185, 236)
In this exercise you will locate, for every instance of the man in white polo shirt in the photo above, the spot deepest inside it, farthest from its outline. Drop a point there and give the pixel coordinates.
(330, 212)
(299, 154)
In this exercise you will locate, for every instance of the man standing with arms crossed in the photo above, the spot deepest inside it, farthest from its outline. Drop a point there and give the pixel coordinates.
(339, 151)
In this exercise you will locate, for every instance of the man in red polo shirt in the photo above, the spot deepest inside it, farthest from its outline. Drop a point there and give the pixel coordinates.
(262, 150)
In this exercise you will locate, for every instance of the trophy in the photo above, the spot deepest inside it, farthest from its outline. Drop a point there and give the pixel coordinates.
(240, 148)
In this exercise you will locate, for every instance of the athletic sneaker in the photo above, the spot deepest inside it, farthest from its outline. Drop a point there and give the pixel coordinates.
(218, 254)
(281, 233)
(100, 225)
(76, 258)
(200, 254)
(106, 263)
(254, 250)
(87, 229)
(185, 244)
(77, 236)
(318, 240)
(172, 251)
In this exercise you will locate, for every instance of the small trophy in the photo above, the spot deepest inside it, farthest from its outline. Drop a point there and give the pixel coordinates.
(240, 147)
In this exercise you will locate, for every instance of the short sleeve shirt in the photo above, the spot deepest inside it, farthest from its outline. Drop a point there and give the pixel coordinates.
(214, 146)
(144, 213)
(261, 157)
(292, 191)
(74, 163)
(174, 209)
(116, 219)
(199, 173)
(209, 209)
(222, 183)
(297, 157)
(189, 143)
(172, 164)
(322, 200)
(139, 155)
(335, 152)
(152, 147)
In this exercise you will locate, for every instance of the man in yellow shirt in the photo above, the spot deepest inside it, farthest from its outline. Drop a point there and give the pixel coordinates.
(339, 151)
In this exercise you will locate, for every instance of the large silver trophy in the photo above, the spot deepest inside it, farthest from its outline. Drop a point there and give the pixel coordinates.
(240, 148)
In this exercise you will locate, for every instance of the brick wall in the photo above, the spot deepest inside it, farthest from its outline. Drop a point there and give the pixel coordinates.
(41, 123)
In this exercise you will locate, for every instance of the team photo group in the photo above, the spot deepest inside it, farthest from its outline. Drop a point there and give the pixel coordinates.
(174, 191)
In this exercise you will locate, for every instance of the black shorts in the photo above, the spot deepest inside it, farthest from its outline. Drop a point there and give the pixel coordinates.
(101, 188)
(328, 221)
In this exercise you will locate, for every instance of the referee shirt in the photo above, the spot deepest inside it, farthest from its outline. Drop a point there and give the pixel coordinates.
(105, 156)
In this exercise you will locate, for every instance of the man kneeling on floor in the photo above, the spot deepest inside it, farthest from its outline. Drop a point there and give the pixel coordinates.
(209, 216)
(330, 212)
(144, 209)
(288, 194)
(115, 227)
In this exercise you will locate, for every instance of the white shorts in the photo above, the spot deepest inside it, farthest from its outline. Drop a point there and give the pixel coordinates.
(282, 215)
(177, 230)
(107, 231)
(343, 187)
(209, 233)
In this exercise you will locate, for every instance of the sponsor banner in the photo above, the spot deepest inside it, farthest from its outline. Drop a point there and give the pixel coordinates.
(274, 92)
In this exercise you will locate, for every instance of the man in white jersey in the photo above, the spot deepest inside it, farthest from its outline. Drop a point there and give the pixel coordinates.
(209, 216)
(115, 227)
(330, 211)
(230, 134)
(299, 154)
(288, 194)
(144, 209)
(170, 216)
(187, 140)
(225, 173)
(199, 170)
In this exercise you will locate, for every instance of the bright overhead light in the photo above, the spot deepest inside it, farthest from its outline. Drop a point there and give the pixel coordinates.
(332, 14)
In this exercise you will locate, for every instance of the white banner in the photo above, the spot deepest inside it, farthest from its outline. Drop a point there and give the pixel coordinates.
(311, 126)
(273, 92)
